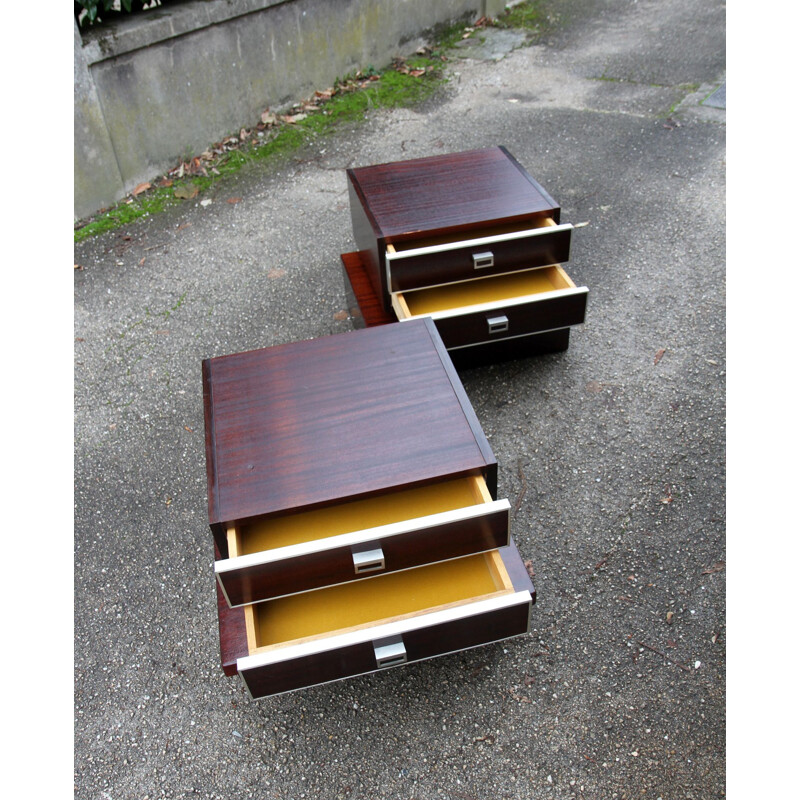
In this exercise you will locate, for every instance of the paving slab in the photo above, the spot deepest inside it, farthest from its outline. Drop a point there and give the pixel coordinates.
(612, 453)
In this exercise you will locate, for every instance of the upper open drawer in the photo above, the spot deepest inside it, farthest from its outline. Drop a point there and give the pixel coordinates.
(296, 552)
(444, 259)
(364, 626)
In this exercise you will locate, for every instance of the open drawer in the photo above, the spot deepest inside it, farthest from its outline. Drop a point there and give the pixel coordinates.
(500, 307)
(364, 626)
(441, 259)
(361, 538)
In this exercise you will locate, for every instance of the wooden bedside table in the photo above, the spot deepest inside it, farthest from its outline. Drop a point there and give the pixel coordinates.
(352, 500)
(470, 240)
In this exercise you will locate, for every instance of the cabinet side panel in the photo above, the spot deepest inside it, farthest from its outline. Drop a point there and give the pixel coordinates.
(369, 243)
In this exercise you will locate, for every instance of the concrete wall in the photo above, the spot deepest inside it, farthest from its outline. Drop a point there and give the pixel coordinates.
(167, 83)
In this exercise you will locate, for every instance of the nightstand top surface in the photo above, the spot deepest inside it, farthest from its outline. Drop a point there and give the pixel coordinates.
(448, 192)
(316, 421)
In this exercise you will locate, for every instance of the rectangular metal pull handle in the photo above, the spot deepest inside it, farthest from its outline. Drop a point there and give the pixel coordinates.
(390, 652)
(368, 559)
(483, 260)
(497, 324)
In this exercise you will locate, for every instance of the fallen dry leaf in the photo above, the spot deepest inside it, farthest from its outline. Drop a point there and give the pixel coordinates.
(141, 262)
(234, 200)
(720, 565)
(187, 428)
(142, 187)
(78, 266)
(340, 315)
(186, 191)
(529, 567)
(670, 615)
(415, 73)
(292, 119)
(276, 273)
(659, 354)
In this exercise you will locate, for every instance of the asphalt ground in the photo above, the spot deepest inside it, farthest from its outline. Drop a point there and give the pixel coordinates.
(612, 453)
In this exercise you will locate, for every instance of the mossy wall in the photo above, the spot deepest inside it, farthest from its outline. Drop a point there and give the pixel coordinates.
(168, 83)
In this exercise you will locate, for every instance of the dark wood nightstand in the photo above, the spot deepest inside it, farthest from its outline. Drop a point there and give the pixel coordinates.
(352, 500)
(469, 240)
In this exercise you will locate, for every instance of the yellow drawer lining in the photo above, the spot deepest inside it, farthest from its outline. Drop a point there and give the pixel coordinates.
(379, 600)
(357, 515)
(498, 288)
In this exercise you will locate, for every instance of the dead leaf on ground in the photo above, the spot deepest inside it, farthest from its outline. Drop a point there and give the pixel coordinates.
(142, 187)
(659, 355)
(292, 119)
(187, 428)
(164, 183)
(234, 200)
(670, 615)
(276, 273)
(78, 266)
(186, 191)
(340, 315)
(529, 568)
(719, 566)
(416, 73)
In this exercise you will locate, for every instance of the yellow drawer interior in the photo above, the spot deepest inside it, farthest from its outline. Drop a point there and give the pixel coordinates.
(497, 288)
(356, 515)
(382, 599)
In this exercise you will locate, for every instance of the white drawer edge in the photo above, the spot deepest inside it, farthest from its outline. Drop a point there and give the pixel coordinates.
(494, 305)
(479, 242)
(359, 537)
(506, 338)
(424, 620)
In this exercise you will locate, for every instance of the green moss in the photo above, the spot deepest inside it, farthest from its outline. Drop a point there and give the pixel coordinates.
(531, 16)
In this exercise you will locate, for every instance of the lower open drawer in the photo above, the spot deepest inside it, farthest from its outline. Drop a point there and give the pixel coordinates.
(360, 538)
(365, 626)
(500, 307)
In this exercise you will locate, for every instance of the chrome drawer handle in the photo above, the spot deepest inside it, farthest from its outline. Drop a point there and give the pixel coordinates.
(482, 260)
(497, 324)
(368, 559)
(390, 652)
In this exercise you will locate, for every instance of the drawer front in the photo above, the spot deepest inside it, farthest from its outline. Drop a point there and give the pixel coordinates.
(348, 557)
(388, 645)
(496, 322)
(492, 255)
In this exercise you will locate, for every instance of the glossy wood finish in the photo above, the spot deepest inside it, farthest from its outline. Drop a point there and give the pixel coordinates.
(425, 641)
(326, 567)
(309, 423)
(457, 193)
(363, 304)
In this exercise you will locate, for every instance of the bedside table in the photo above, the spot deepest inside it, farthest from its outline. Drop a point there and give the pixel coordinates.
(352, 501)
(469, 240)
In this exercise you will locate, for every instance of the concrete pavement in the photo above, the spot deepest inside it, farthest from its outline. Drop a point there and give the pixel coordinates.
(612, 453)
